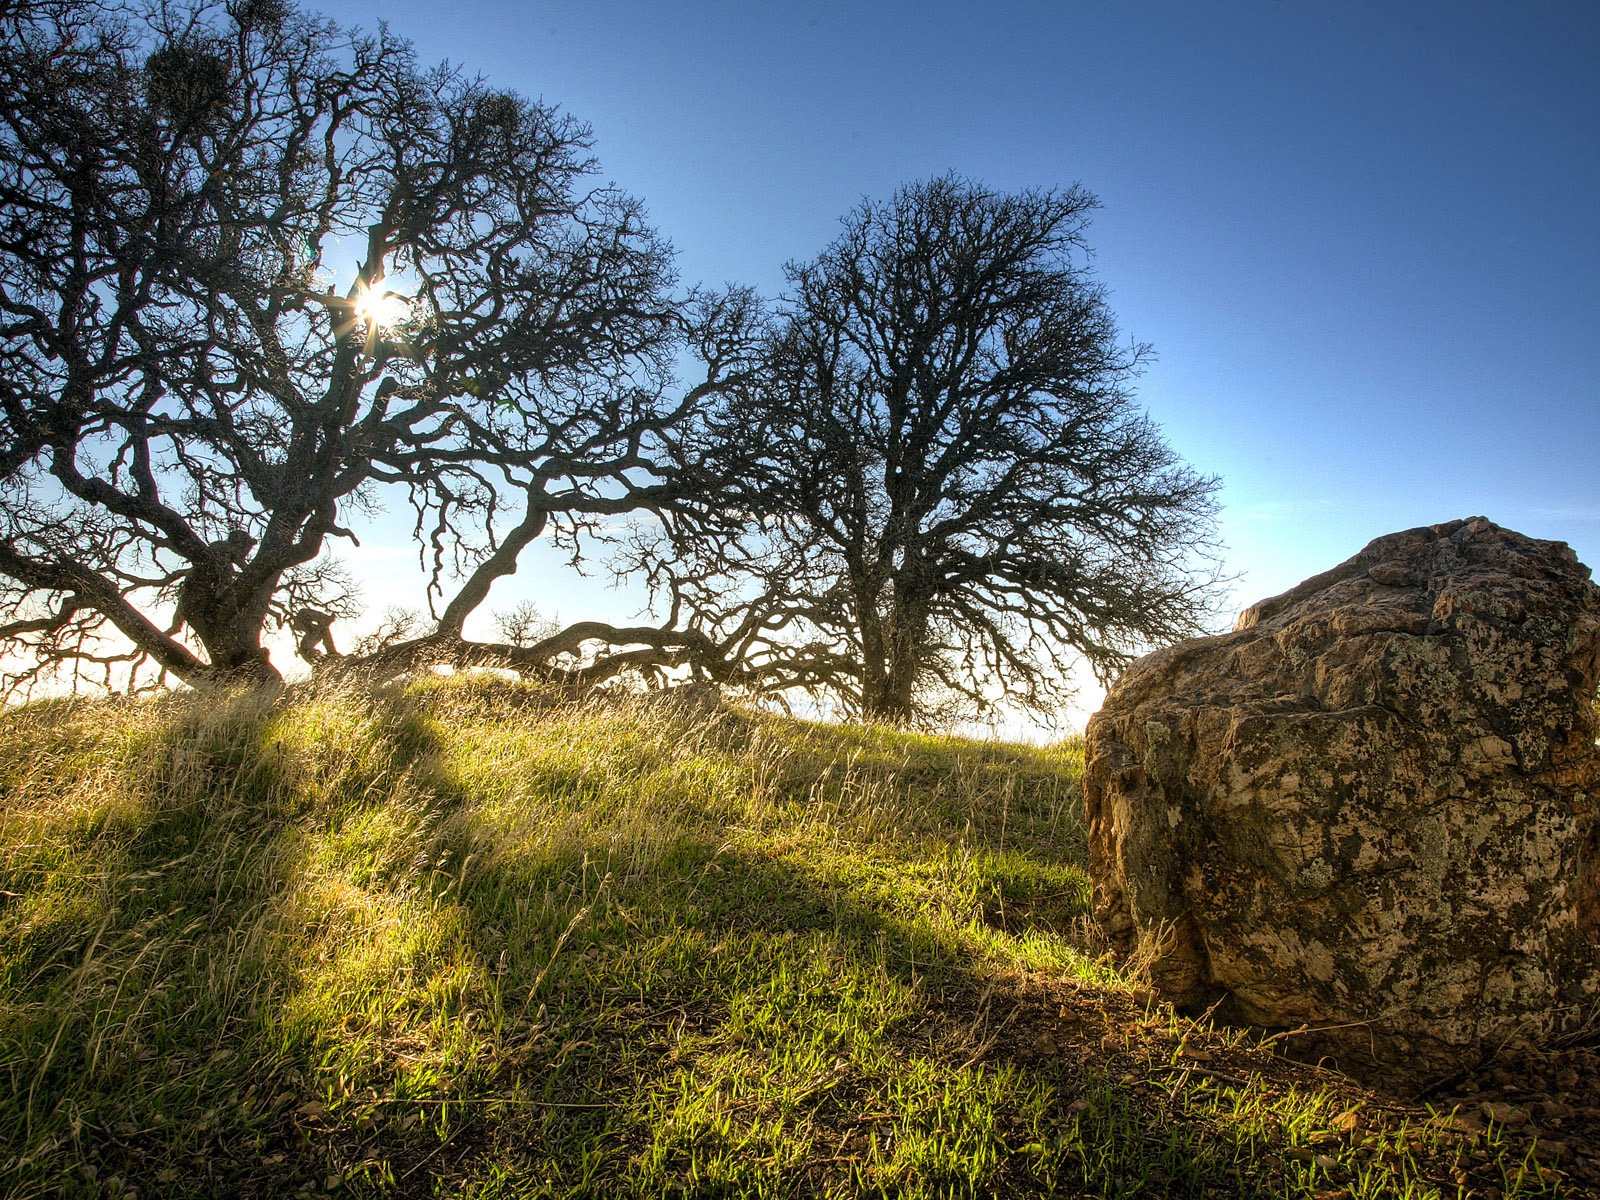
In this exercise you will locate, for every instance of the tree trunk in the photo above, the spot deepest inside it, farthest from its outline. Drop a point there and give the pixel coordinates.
(228, 623)
(889, 674)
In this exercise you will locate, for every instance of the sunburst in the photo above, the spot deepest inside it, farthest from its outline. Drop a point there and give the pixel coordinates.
(379, 309)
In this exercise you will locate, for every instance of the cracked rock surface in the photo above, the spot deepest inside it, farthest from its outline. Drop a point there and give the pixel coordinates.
(1371, 808)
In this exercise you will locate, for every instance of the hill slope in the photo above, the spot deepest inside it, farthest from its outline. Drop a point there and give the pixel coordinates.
(460, 939)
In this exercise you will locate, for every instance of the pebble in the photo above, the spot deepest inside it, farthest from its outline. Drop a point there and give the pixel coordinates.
(1501, 1113)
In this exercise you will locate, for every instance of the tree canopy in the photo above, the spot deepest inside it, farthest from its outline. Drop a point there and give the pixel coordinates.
(943, 483)
(190, 409)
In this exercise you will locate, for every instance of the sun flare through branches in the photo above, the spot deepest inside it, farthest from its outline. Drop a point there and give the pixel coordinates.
(378, 309)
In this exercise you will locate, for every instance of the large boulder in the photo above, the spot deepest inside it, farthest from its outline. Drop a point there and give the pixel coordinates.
(1371, 808)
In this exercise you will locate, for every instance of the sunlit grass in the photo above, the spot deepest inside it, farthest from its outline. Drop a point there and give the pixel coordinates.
(463, 938)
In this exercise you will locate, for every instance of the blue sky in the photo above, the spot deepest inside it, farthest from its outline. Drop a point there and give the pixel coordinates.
(1364, 239)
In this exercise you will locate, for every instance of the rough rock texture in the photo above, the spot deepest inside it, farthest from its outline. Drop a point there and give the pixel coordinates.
(1371, 806)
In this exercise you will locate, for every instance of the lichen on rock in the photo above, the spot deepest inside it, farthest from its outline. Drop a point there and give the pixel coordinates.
(1370, 809)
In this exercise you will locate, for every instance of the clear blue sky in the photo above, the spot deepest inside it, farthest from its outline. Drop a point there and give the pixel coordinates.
(1364, 238)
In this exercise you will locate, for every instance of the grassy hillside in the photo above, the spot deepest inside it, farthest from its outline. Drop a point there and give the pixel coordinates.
(459, 939)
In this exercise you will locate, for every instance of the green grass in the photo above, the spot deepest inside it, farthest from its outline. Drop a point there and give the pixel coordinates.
(460, 939)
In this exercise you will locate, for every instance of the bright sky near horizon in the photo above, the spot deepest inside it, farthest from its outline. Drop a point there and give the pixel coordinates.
(1363, 238)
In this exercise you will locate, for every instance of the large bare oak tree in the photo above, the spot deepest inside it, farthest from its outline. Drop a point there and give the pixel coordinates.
(941, 487)
(190, 409)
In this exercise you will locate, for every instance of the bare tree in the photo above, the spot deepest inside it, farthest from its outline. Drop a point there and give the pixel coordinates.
(940, 485)
(190, 410)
